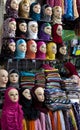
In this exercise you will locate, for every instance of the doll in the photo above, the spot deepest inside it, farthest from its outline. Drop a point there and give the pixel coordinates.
(12, 115)
(61, 51)
(13, 77)
(21, 49)
(35, 11)
(51, 50)
(3, 84)
(12, 8)
(57, 33)
(45, 31)
(46, 12)
(24, 8)
(21, 29)
(32, 30)
(31, 49)
(41, 50)
(57, 15)
(8, 48)
(9, 28)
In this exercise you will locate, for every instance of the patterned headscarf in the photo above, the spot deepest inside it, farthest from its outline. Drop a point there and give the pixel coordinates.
(12, 114)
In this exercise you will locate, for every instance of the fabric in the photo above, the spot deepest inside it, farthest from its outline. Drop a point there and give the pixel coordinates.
(76, 15)
(50, 2)
(12, 114)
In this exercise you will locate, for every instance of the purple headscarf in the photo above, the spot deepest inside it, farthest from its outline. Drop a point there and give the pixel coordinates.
(10, 11)
(12, 114)
(42, 34)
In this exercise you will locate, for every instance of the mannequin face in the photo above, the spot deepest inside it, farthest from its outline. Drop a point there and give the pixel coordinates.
(34, 28)
(47, 30)
(37, 8)
(48, 11)
(12, 25)
(14, 77)
(59, 30)
(26, 7)
(63, 50)
(22, 47)
(43, 48)
(75, 78)
(33, 47)
(39, 92)
(14, 4)
(23, 27)
(54, 49)
(12, 46)
(26, 94)
(13, 95)
(3, 76)
(58, 12)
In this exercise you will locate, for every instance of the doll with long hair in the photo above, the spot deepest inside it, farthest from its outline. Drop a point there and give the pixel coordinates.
(9, 28)
(11, 8)
(12, 115)
(24, 8)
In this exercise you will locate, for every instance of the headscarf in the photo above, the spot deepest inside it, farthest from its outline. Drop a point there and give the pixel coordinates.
(6, 52)
(43, 15)
(33, 15)
(18, 53)
(10, 11)
(36, 103)
(71, 68)
(39, 53)
(32, 35)
(43, 35)
(12, 114)
(30, 113)
(30, 54)
(56, 38)
(7, 32)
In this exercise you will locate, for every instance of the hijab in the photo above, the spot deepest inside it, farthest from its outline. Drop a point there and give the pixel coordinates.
(12, 114)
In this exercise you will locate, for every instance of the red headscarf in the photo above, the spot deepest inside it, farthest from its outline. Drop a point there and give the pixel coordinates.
(12, 114)
(71, 68)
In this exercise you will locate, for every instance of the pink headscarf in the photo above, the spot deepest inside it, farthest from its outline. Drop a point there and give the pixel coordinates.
(12, 114)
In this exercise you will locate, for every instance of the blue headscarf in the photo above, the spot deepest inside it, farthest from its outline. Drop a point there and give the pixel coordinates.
(18, 53)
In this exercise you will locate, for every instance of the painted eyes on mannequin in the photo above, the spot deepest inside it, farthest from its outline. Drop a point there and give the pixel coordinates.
(47, 30)
(13, 94)
(59, 30)
(37, 8)
(14, 4)
(14, 77)
(33, 47)
(26, 94)
(22, 47)
(23, 27)
(34, 28)
(48, 11)
(63, 50)
(12, 46)
(54, 49)
(12, 25)
(26, 7)
(43, 48)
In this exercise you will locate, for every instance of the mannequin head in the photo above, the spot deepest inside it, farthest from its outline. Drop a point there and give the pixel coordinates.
(20, 48)
(51, 50)
(35, 10)
(13, 95)
(32, 30)
(12, 8)
(45, 31)
(46, 12)
(31, 49)
(57, 12)
(3, 77)
(24, 8)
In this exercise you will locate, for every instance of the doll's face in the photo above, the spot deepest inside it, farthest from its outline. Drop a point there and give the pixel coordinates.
(13, 78)
(12, 46)
(3, 76)
(43, 48)
(26, 94)
(26, 7)
(34, 28)
(33, 47)
(22, 47)
(47, 30)
(14, 4)
(37, 8)
(13, 95)
(12, 25)
(54, 49)
(63, 50)
(39, 92)
(59, 30)
(58, 12)
(48, 11)
(23, 27)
